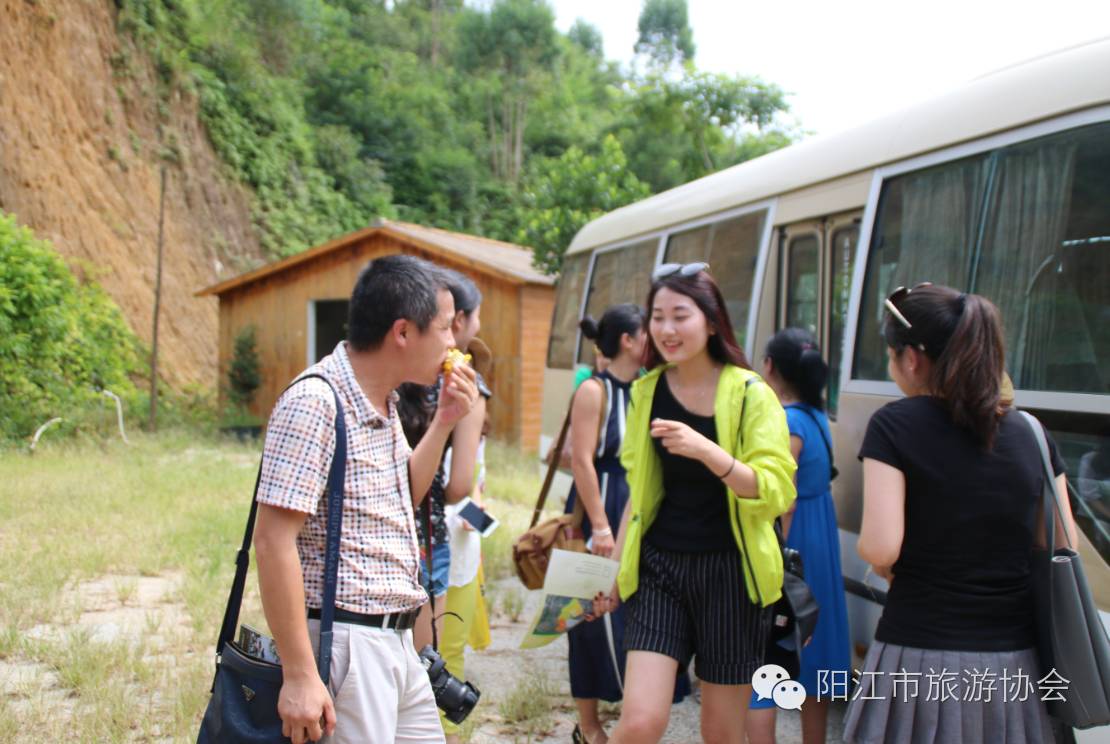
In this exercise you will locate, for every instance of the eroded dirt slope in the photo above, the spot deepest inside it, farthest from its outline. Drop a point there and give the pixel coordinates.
(79, 164)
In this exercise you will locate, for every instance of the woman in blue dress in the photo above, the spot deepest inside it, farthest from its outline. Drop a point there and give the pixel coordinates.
(793, 367)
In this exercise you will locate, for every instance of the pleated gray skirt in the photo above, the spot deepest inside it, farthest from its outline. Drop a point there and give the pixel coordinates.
(925, 696)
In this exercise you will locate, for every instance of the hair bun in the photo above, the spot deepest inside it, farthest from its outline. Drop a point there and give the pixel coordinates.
(589, 328)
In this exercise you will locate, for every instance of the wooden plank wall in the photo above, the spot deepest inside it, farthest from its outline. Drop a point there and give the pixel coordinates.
(515, 325)
(537, 306)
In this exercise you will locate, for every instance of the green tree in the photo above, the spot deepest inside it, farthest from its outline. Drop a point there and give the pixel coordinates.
(244, 373)
(678, 129)
(560, 195)
(588, 38)
(513, 50)
(665, 33)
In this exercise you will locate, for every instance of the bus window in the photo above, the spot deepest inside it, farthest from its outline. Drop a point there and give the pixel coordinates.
(842, 256)
(801, 283)
(927, 222)
(1039, 249)
(733, 253)
(1045, 260)
(621, 275)
(568, 300)
(689, 246)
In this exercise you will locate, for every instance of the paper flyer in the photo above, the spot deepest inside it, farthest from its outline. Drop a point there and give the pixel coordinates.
(572, 581)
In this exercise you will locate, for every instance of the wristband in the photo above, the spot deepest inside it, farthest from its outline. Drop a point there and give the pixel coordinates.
(603, 532)
(729, 471)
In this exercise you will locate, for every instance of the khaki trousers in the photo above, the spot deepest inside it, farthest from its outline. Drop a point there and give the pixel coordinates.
(381, 691)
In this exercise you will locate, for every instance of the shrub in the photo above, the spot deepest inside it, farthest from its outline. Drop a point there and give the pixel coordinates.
(61, 341)
(244, 374)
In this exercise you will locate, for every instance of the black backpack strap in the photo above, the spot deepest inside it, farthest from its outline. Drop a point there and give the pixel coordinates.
(334, 490)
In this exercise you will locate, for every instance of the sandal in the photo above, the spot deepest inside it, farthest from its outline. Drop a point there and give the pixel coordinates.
(576, 736)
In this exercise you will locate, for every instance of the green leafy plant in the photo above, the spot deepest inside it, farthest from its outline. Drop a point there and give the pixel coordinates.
(61, 341)
(244, 374)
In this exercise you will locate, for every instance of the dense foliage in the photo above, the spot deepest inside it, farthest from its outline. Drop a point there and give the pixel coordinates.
(61, 341)
(338, 111)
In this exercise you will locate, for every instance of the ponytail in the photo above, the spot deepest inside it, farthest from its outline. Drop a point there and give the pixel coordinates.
(968, 373)
(798, 361)
(962, 335)
(617, 321)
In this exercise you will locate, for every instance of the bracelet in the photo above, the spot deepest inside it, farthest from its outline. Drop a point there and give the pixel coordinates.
(729, 471)
(603, 532)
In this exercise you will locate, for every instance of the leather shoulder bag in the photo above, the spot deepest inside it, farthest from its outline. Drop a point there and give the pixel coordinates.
(532, 550)
(1071, 640)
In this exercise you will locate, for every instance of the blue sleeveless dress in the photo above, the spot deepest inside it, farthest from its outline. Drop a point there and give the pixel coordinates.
(813, 533)
(592, 672)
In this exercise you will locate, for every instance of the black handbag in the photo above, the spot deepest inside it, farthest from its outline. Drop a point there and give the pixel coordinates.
(794, 619)
(1071, 640)
(243, 706)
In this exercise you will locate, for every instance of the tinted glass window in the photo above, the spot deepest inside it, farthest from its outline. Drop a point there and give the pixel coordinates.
(689, 246)
(568, 300)
(842, 256)
(621, 275)
(801, 283)
(1083, 441)
(927, 222)
(1027, 226)
(733, 254)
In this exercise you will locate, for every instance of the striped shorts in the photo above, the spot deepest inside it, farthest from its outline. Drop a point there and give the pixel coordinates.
(695, 604)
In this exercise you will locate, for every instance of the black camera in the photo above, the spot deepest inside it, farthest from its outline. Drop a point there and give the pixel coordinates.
(456, 699)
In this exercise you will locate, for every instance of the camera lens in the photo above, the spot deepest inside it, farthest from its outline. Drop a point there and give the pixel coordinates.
(456, 699)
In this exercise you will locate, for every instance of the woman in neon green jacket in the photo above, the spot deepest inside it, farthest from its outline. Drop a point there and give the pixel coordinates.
(707, 451)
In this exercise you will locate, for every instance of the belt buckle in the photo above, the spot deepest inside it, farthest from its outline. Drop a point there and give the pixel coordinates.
(389, 621)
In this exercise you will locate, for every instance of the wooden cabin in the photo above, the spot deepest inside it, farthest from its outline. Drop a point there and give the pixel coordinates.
(299, 308)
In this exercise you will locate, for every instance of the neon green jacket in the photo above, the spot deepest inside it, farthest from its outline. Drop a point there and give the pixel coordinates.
(763, 445)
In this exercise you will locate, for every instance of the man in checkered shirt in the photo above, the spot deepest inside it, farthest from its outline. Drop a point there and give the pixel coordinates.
(399, 331)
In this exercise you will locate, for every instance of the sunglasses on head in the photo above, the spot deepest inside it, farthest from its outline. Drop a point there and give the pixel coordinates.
(670, 269)
(897, 296)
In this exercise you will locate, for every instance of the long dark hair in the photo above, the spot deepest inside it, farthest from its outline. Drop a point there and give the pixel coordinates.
(416, 406)
(962, 335)
(616, 321)
(703, 290)
(798, 361)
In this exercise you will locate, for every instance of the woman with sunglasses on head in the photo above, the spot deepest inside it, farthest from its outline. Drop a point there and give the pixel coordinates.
(795, 370)
(707, 453)
(952, 488)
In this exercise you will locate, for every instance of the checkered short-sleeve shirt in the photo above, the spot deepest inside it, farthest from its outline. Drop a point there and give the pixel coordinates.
(378, 556)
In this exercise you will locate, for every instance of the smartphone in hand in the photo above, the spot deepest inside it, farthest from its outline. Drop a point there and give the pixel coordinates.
(481, 521)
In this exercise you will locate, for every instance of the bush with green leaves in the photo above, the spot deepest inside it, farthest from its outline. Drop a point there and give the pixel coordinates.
(244, 373)
(61, 341)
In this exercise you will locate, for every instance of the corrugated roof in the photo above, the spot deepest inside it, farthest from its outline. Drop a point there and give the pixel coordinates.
(1071, 79)
(506, 260)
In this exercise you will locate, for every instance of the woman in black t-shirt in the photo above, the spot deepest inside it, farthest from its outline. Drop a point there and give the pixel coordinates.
(952, 485)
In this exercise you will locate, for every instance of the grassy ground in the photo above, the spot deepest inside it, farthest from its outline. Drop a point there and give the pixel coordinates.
(86, 527)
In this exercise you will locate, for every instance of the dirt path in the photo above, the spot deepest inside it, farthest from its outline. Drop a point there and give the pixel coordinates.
(505, 673)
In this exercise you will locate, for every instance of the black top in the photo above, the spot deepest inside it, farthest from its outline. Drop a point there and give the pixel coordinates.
(693, 517)
(961, 581)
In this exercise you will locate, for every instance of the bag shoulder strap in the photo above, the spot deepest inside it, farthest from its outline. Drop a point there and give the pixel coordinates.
(558, 448)
(334, 489)
(740, 522)
(1050, 497)
(820, 430)
(551, 468)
